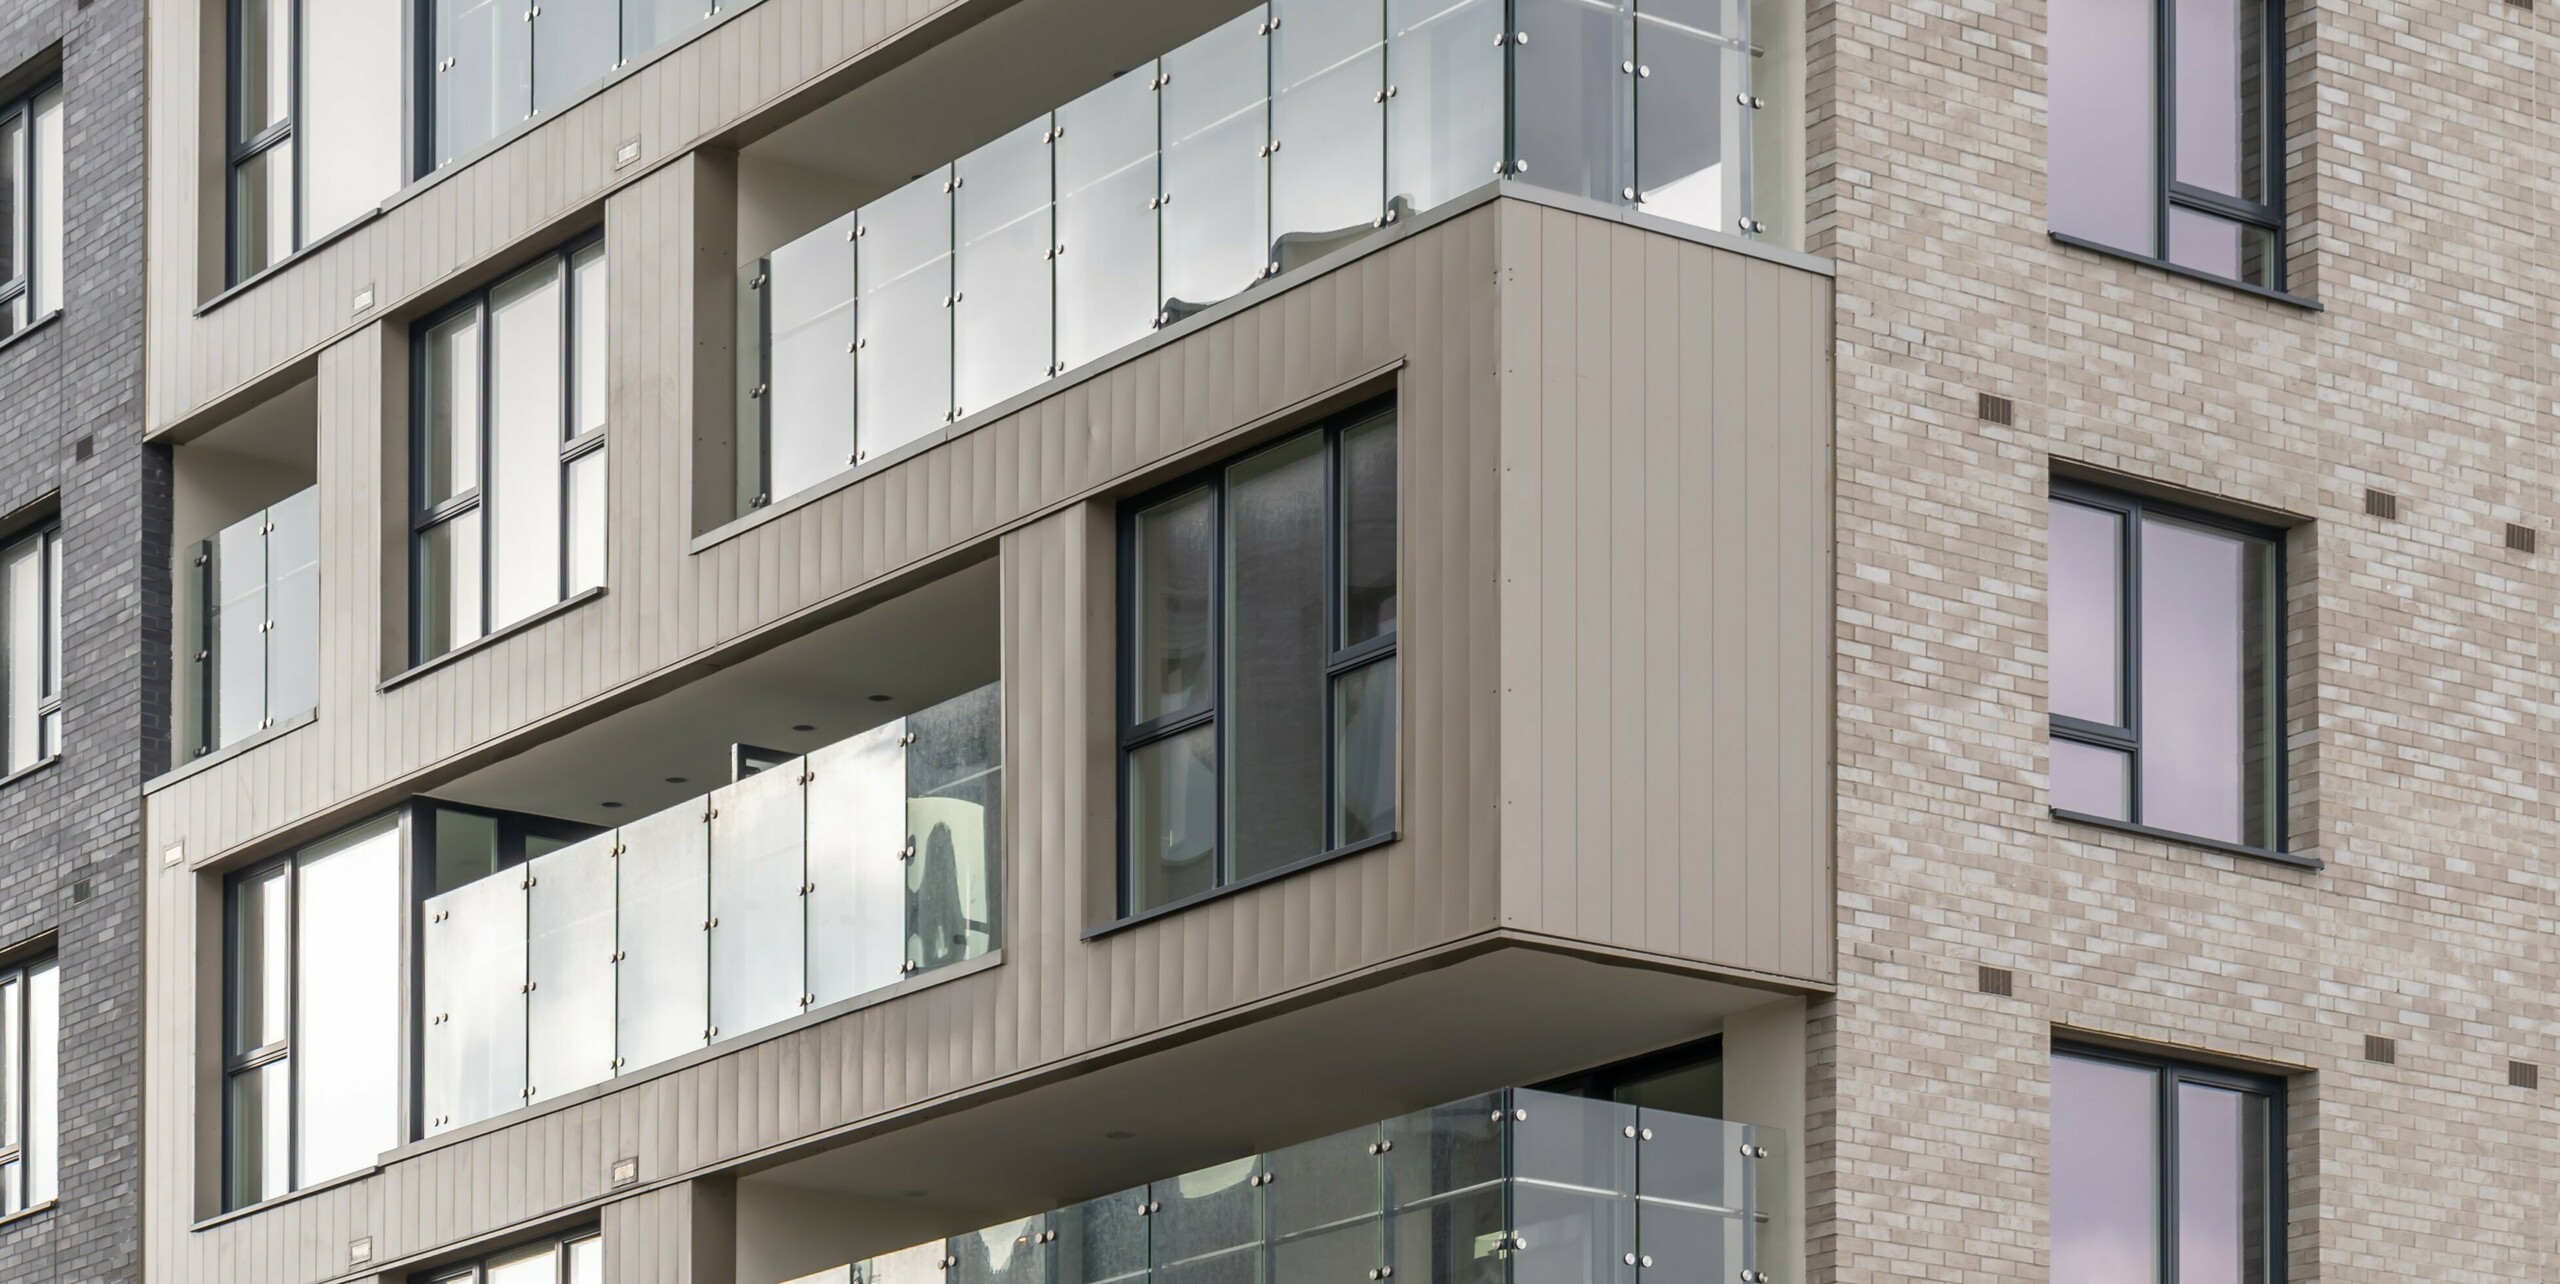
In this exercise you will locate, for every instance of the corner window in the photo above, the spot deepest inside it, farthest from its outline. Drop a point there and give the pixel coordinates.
(30, 1085)
(508, 454)
(311, 1026)
(31, 183)
(1258, 677)
(2166, 669)
(31, 649)
(578, 1259)
(2167, 133)
(314, 122)
(2165, 1172)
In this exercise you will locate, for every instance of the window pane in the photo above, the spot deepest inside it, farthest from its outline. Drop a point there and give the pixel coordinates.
(262, 83)
(1681, 110)
(523, 503)
(44, 1081)
(2084, 606)
(575, 44)
(347, 926)
(2224, 1229)
(2208, 727)
(1329, 68)
(586, 1261)
(2106, 1216)
(293, 602)
(1444, 122)
(48, 203)
(466, 848)
(1571, 116)
(586, 521)
(261, 210)
(2101, 180)
(1172, 818)
(2238, 251)
(450, 454)
(2093, 781)
(1001, 325)
(449, 585)
(2221, 96)
(1273, 709)
(587, 384)
(13, 1033)
(13, 190)
(903, 378)
(1215, 176)
(22, 648)
(533, 1266)
(808, 402)
(1169, 649)
(259, 971)
(484, 77)
(662, 985)
(1369, 530)
(1107, 220)
(261, 1124)
(1364, 717)
(350, 122)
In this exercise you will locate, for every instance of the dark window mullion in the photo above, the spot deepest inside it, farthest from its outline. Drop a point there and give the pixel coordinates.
(1331, 584)
(2129, 654)
(1220, 850)
(448, 510)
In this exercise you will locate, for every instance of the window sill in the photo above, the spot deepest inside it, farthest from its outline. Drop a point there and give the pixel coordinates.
(30, 1212)
(485, 641)
(2180, 269)
(44, 322)
(252, 1210)
(1243, 884)
(2295, 859)
(28, 770)
(278, 268)
(230, 751)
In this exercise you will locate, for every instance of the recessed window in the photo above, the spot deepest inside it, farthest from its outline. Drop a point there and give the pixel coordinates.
(31, 649)
(2167, 133)
(311, 1029)
(2166, 668)
(315, 122)
(578, 1259)
(1259, 706)
(31, 183)
(30, 1084)
(509, 451)
(2165, 1172)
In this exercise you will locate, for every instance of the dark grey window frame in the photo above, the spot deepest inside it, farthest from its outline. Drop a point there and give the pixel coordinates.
(2170, 1074)
(47, 535)
(2267, 215)
(21, 289)
(1135, 735)
(425, 516)
(240, 149)
(20, 1104)
(2127, 739)
(476, 1271)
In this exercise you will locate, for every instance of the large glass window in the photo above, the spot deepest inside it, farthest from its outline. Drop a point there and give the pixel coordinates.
(1258, 726)
(30, 649)
(2165, 1173)
(509, 451)
(315, 121)
(311, 1030)
(31, 184)
(577, 1259)
(2166, 669)
(2167, 135)
(30, 1084)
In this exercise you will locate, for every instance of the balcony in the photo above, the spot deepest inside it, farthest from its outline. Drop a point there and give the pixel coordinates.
(812, 880)
(1517, 1186)
(246, 537)
(1282, 135)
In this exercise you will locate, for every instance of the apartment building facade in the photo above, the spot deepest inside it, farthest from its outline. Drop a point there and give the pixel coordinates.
(1695, 639)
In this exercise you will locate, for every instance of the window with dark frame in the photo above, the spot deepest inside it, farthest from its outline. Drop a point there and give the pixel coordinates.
(1258, 682)
(2165, 1171)
(570, 1259)
(2167, 132)
(508, 451)
(30, 1084)
(2166, 668)
(31, 178)
(30, 649)
(313, 122)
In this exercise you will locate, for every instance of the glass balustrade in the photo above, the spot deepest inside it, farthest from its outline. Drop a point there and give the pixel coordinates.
(256, 612)
(1513, 1187)
(1292, 130)
(822, 878)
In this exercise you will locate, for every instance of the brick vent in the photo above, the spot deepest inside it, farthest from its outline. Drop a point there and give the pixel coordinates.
(1993, 409)
(2382, 504)
(1996, 980)
(2523, 1074)
(2523, 539)
(2381, 1050)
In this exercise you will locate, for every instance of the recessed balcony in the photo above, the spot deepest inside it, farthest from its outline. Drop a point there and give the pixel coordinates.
(246, 526)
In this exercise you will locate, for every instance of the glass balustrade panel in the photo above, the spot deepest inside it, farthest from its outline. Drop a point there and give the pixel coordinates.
(1102, 1241)
(575, 44)
(1574, 74)
(1447, 1175)
(293, 603)
(1325, 1206)
(483, 73)
(955, 814)
(1328, 126)
(648, 24)
(1696, 1188)
(857, 867)
(661, 984)
(1688, 145)
(239, 630)
(569, 914)
(1216, 130)
(1444, 101)
(1003, 340)
(808, 295)
(475, 1002)
(1205, 1227)
(1573, 1188)
(921, 1264)
(903, 379)
(1013, 1253)
(757, 837)
(1107, 189)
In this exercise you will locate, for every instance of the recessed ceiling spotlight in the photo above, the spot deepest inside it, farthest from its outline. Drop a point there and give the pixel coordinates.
(608, 804)
(879, 699)
(802, 726)
(1119, 1136)
(675, 780)
(915, 1194)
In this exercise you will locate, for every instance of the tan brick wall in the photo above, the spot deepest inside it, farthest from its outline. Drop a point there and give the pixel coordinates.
(2422, 159)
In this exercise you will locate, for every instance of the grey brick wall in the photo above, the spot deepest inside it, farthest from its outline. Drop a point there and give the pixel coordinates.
(78, 380)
